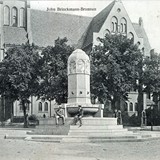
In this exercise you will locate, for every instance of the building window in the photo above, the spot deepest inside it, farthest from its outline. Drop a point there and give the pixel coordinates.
(20, 107)
(14, 17)
(26, 106)
(123, 25)
(22, 17)
(106, 32)
(112, 28)
(131, 106)
(125, 106)
(138, 43)
(114, 24)
(46, 106)
(131, 36)
(118, 10)
(40, 106)
(136, 106)
(6, 15)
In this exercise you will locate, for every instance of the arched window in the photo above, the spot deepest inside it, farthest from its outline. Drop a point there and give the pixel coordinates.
(14, 17)
(106, 32)
(27, 106)
(40, 107)
(6, 15)
(136, 106)
(131, 36)
(45, 106)
(123, 25)
(114, 24)
(125, 106)
(138, 43)
(131, 106)
(22, 17)
(20, 107)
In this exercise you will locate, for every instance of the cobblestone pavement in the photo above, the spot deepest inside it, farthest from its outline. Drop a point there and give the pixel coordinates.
(28, 150)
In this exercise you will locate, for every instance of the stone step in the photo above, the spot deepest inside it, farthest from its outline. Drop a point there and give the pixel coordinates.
(85, 127)
(99, 121)
(101, 139)
(86, 121)
(100, 134)
(97, 131)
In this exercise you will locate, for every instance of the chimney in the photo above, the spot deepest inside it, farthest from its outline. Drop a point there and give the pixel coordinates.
(140, 21)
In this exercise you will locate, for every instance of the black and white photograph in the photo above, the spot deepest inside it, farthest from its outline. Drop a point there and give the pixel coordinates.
(80, 80)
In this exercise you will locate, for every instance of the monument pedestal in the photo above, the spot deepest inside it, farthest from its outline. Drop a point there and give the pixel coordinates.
(97, 129)
(93, 130)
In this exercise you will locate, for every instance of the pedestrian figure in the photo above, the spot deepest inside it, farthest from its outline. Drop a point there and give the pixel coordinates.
(119, 118)
(143, 119)
(115, 113)
(60, 114)
(79, 116)
(44, 116)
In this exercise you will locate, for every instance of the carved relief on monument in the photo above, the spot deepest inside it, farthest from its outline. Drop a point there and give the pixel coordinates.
(87, 65)
(72, 67)
(80, 66)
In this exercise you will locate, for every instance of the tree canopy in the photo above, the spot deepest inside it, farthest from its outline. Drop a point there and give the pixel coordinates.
(151, 75)
(54, 83)
(19, 74)
(113, 67)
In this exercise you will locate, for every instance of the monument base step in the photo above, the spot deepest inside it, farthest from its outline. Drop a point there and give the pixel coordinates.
(93, 130)
(91, 121)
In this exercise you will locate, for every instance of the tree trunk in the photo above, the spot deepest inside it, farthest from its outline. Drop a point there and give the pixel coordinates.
(25, 115)
(113, 102)
(140, 98)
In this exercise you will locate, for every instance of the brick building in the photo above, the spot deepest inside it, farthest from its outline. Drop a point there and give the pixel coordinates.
(20, 23)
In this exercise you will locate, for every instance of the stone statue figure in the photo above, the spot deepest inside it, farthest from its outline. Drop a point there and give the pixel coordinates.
(72, 67)
(80, 66)
(87, 64)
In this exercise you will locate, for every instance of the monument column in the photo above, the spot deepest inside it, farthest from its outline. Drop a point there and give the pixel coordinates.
(79, 78)
(79, 86)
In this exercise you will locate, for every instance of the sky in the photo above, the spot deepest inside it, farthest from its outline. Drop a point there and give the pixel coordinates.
(149, 10)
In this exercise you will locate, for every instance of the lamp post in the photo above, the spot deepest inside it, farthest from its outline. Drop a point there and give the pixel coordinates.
(151, 118)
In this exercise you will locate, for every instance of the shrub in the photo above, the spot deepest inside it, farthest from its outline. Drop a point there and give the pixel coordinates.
(130, 120)
(33, 120)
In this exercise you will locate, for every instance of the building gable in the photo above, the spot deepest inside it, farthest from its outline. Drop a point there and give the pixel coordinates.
(115, 20)
(96, 25)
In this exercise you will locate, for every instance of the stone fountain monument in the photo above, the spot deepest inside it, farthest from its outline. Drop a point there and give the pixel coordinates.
(95, 127)
(79, 86)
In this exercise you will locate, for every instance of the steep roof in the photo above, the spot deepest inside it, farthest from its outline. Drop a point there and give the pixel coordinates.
(47, 26)
(14, 35)
(142, 34)
(96, 24)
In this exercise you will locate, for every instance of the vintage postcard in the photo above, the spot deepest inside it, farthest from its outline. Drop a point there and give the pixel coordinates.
(79, 80)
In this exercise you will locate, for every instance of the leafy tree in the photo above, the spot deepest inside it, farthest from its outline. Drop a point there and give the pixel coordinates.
(114, 65)
(54, 84)
(19, 74)
(151, 75)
